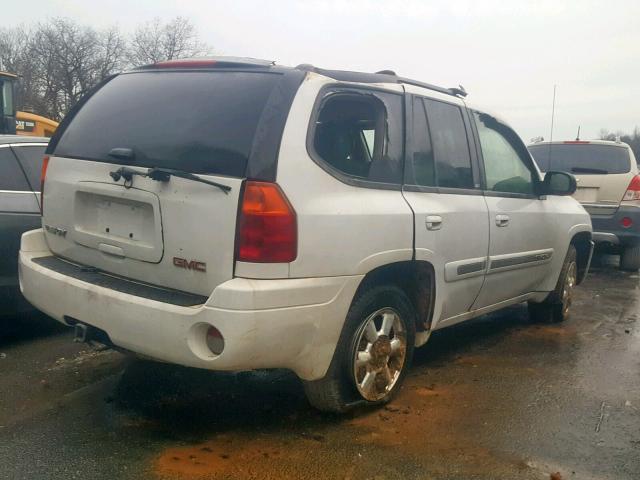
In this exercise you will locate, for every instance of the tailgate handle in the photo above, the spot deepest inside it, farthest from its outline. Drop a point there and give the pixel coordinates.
(111, 249)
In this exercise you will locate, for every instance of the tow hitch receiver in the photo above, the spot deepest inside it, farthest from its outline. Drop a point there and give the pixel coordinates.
(84, 333)
(80, 331)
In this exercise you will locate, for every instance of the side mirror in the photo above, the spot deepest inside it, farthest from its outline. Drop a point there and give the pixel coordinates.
(559, 183)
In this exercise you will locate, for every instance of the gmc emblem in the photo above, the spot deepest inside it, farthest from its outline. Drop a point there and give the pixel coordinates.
(189, 264)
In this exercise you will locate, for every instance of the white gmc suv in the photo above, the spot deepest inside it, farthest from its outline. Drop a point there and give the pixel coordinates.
(230, 214)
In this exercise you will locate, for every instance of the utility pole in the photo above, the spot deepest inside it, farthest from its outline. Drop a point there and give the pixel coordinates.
(553, 112)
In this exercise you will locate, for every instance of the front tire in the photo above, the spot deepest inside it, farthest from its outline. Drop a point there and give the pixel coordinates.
(557, 306)
(630, 259)
(373, 353)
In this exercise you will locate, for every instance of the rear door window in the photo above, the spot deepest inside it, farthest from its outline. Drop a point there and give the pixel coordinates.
(11, 176)
(450, 144)
(196, 121)
(30, 158)
(359, 134)
(441, 154)
(582, 158)
(421, 169)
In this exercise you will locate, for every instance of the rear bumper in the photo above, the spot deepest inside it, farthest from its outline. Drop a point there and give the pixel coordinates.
(289, 323)
(608, 229)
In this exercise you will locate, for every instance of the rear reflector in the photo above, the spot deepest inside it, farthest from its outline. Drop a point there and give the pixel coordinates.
(267, 228)
(626, 222)
(633, 190)
(43, 177)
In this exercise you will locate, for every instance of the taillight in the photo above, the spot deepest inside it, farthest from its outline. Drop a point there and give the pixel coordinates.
(43, 177)
(267, 229)
(633, 190)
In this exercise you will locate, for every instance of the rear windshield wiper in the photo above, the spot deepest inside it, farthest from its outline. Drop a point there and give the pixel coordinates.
(163, 175)
(589, 170)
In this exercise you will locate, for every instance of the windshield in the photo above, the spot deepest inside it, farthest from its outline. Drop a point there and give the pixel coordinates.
(584, 158)
(201, 122)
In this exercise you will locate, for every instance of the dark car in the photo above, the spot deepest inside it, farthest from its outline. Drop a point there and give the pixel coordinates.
(20, 165)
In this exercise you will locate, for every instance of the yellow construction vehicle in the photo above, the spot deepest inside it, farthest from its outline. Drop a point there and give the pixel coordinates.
(30, 124)
(16, 122)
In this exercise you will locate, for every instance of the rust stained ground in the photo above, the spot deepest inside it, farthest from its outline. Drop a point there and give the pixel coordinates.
(423, 425)
(428, 424)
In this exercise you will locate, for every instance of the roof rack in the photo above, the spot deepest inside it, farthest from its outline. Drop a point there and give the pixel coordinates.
(458, 91)
(383, 76)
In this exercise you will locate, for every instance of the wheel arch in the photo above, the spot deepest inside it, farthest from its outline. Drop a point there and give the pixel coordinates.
(416, 278)
(583, 245)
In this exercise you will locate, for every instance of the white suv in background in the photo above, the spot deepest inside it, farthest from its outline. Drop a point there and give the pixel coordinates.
(231, 214)
(608, 188)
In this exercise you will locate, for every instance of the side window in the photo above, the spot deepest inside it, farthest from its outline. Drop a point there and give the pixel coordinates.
(360, 134)
(11, 177)
(422, 164)
(450, 144)
(505, 164)
(31, 160)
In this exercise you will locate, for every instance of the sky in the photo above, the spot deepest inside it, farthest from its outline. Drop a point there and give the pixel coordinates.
(507, 54)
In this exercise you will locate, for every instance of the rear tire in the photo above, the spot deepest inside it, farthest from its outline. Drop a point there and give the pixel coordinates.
(556, 307)
(373, 353)
(630, 259)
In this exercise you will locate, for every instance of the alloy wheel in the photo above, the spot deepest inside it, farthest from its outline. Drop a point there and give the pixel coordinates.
(568, 287)
(380, 354)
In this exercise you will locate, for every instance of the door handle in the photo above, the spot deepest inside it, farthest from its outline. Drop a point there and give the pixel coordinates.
(502, 220)
(433, 222)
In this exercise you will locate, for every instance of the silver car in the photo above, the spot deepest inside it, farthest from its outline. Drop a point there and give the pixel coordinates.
(20, 164)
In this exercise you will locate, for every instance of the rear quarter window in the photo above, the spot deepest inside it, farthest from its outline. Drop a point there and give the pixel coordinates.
(196, 121)
(358, 135)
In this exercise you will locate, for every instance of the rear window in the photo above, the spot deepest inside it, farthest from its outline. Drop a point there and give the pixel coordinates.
(201, 122)
(582, 158)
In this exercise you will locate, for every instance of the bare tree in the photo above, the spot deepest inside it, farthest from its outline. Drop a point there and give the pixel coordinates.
(155, 41)
(15, 58)
(633, 139)
(112, 56)
(59, 61)
(11, 48)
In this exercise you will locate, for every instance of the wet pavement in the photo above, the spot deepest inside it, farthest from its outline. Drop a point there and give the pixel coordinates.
(495, 398)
